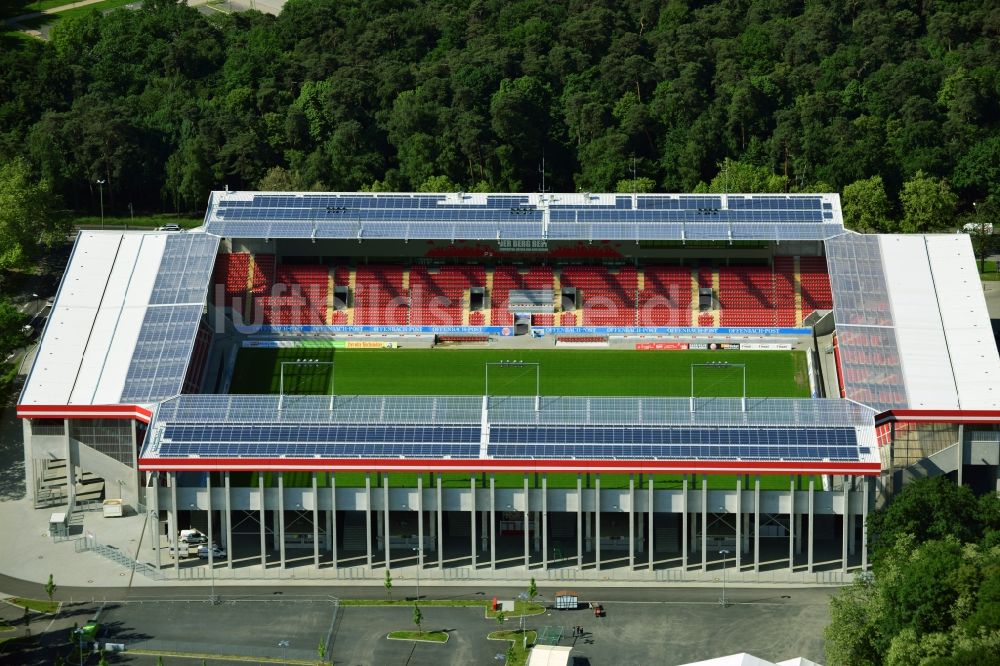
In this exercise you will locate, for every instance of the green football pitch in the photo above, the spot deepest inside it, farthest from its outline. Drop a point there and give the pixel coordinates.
(560, 372)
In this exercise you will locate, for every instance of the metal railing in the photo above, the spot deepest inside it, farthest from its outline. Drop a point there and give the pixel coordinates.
(89, 543)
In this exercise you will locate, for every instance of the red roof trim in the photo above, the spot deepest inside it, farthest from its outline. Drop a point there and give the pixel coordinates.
(84, 412)
(481, 465)
(940, 416)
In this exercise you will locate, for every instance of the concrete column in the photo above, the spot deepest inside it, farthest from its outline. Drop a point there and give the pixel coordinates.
(536, 541)
(545, 521)
(738, 520)
(154, 505)
(527, 534)
(472, 519)
(791, 525)
(172, 519)
(228, 520)
(368, 519)
(420, 521)
(332, 522)
(704, 522)
(263, 523)
(71, 480)
(812, 524)
(597, 521)
(589, 526)
(650, 541)
(281, 517)
(440, 525)
(631, 521)
(315, 499)
(385, 525)
(484, 530)
(684, 523)
(756, 523)
(493, 520)
(579, 521)
(208, 504)
(961, 452)
(847, 510)
(864, 523)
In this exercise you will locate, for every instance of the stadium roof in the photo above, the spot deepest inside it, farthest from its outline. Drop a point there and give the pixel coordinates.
(508, 433)
(123, 323)
(579, 216)
(913, 331)
(912, 326)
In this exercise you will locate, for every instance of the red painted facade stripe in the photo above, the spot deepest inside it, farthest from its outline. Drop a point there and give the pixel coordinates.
(554, 466)
(84, 412)
(939, 416)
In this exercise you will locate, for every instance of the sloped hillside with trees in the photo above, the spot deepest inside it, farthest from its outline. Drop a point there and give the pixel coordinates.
(896, 104)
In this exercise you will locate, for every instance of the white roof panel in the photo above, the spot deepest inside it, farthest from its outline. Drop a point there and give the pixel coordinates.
(102, 334)
(920, 337)
(973, 352)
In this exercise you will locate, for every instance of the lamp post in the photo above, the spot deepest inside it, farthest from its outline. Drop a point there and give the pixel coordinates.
(100, 188)
(417, 550)
(723, 599)
(284, 651)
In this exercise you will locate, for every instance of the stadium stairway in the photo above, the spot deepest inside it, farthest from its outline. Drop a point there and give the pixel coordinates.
(716, 314)
(329, 296)
(797, 280)
(695, 316)
(352, 283)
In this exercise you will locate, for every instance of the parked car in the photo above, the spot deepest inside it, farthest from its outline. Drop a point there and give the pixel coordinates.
(193, 537)
(217, 553)
(88, 632)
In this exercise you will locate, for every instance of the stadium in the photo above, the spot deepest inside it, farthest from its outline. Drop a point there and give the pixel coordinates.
(578, 386)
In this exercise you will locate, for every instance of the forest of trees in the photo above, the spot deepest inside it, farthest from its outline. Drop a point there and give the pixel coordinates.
(933, 595)
(894, 103)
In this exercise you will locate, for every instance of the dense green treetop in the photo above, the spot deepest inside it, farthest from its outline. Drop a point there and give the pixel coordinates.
(165, 103)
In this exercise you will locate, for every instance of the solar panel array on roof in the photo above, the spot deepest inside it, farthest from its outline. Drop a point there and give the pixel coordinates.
(805, 444)
(176, 302)
(324, 441)
(439, 427)
(438, 216)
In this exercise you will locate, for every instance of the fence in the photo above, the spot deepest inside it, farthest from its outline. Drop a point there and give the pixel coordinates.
(89, 543)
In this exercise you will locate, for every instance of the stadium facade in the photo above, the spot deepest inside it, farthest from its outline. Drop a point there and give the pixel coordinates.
(131, 393)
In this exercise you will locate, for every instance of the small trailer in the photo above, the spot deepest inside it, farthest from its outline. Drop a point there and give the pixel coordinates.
(114, 508)
(567, 600)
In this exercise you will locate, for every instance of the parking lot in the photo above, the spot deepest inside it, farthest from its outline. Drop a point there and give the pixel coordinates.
(273, 628)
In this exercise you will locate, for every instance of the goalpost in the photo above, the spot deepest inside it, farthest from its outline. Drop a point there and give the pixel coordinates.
(717, 366)
(514, 364)
(308, 363)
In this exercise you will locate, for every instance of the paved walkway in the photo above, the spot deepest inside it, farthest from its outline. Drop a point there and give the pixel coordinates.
(52, 10)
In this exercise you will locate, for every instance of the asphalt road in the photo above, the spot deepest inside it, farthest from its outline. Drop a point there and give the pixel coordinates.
(657, 594)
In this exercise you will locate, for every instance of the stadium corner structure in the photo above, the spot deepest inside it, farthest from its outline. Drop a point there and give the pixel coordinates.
(133, 391)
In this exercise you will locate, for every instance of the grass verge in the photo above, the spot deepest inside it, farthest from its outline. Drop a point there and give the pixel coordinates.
(52, 19)
(517, 653)
(427, 636)
(404, 602)
(988, 272)
(139, 221)
(520, 608)
(38, 605)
